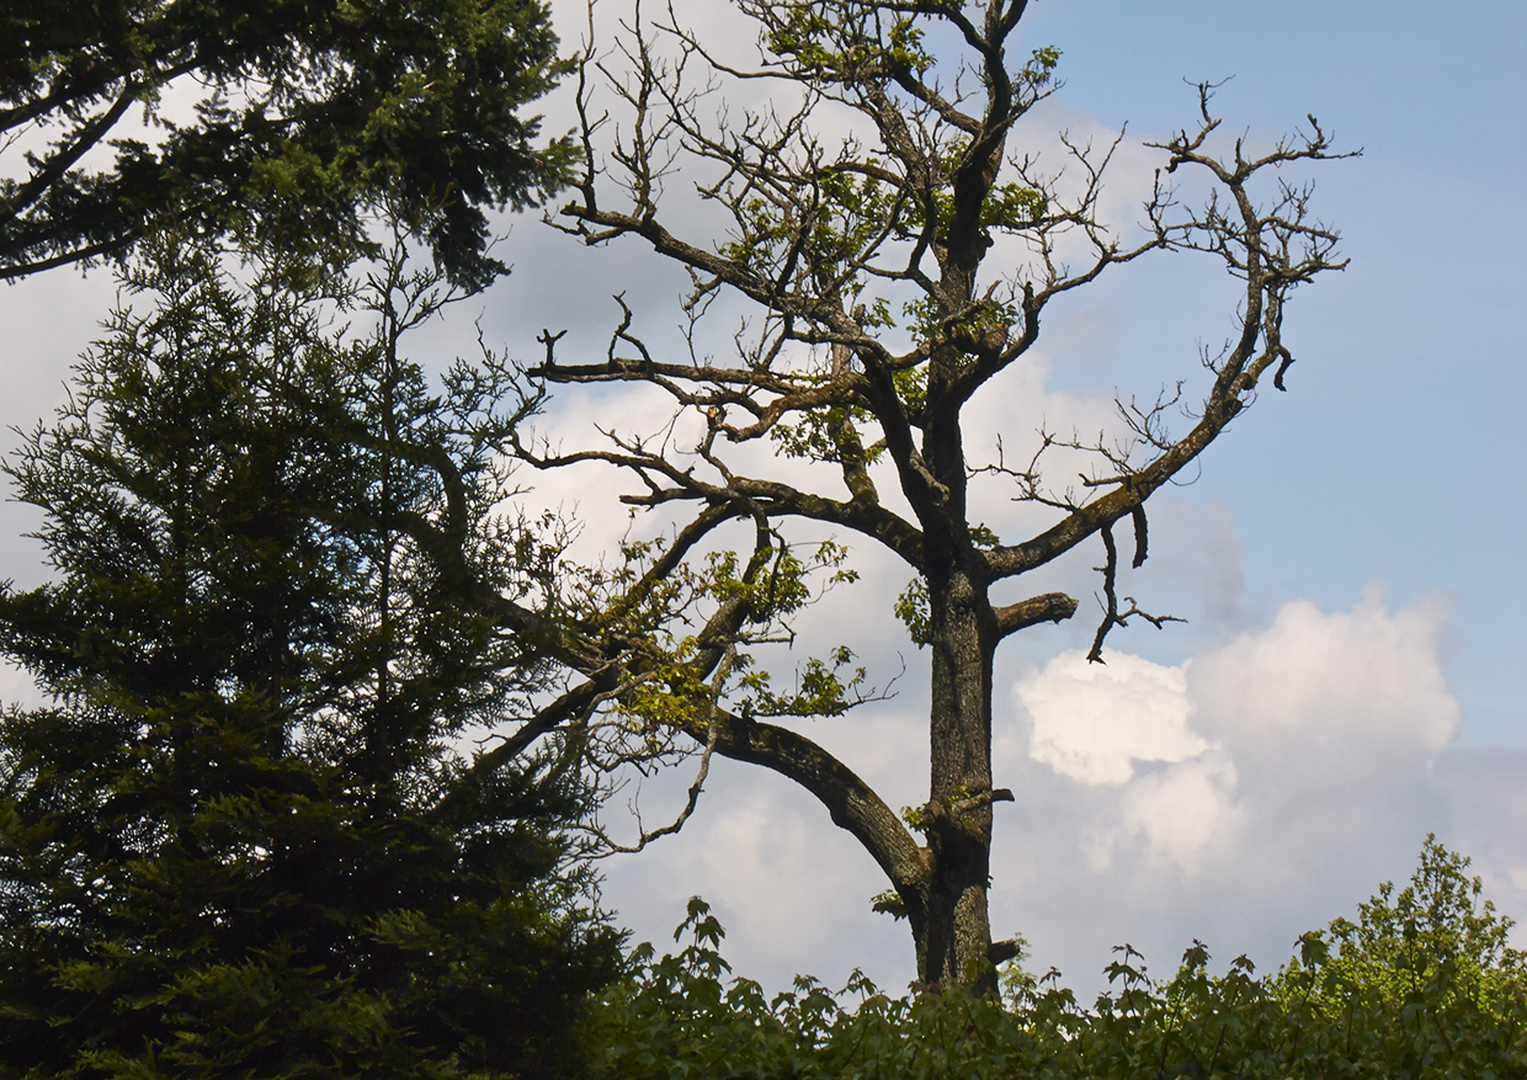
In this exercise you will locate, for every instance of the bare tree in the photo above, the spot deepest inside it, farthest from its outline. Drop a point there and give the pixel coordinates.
(920, 209)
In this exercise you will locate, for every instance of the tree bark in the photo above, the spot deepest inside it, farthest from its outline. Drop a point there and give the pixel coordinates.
(954, 944)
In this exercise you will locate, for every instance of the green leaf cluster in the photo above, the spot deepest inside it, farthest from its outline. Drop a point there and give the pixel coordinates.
(821, 688)
(815, 41)
(773, 584)
(830, 223)
(912, 609)
(824, 435)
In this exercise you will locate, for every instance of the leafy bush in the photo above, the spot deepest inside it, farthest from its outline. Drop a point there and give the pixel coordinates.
(1423, 985)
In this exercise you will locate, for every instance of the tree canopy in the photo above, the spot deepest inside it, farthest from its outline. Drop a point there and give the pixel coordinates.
(247, 836)
(275, 117)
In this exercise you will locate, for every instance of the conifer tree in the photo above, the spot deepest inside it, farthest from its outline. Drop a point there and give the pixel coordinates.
(269, 117)
(244, 838)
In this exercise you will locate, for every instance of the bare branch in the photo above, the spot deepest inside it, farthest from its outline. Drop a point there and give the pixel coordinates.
(1111, 615)
(872, 260)
(1050, 607)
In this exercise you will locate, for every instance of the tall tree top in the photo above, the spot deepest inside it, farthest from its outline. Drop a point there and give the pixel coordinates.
(272, 117)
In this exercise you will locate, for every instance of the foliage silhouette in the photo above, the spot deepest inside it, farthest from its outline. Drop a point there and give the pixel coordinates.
(272, 118)
(244, 838)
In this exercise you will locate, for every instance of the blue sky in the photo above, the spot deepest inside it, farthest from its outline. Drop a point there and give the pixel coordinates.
(1397, 456)
(1320, 724)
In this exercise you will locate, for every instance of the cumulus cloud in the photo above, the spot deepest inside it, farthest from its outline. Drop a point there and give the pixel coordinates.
(1273, 732)
(1184, 810)
(1091, 722)
(1341, 678)
(1252, 792)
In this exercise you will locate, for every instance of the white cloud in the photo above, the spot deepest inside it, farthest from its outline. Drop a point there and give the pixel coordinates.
(1182, 810)
(1292, 772)
(1280, 726)
(1092, 722)
(1337, 678)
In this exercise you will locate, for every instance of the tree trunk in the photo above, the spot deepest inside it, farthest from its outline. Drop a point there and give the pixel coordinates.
(953, 937)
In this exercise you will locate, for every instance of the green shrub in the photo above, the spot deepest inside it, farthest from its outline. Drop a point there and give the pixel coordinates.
(1423, 985)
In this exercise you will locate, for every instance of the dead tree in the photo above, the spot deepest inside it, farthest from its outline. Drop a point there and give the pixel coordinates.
(896, 272)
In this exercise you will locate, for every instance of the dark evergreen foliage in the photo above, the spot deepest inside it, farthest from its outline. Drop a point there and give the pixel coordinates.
(244, 839)
(328, 106)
